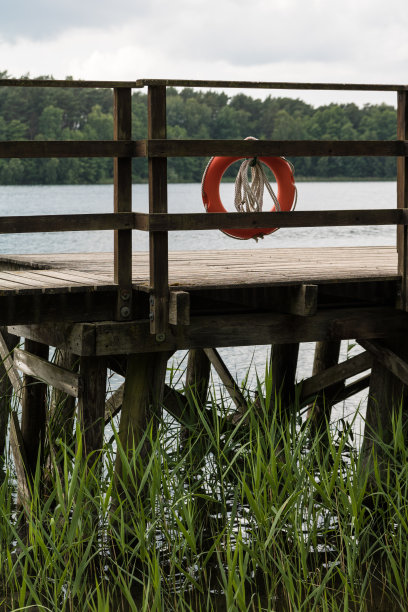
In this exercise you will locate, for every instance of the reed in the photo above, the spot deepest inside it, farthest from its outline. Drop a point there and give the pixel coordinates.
(256, 515)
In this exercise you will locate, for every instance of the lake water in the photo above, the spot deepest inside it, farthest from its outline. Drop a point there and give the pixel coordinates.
(185, 198)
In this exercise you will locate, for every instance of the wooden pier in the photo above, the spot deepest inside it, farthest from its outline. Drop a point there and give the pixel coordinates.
(129, 311)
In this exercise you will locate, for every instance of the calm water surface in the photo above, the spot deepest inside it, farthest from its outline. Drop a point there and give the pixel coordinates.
(187, 198)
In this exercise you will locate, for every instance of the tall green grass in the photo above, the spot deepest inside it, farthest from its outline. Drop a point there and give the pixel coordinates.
(256, 515)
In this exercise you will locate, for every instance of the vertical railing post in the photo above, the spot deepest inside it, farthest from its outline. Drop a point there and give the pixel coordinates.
(402, 197)
(158, 241)
(122, 112)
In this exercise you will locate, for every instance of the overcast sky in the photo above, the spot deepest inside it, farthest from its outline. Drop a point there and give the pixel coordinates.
(358, 41)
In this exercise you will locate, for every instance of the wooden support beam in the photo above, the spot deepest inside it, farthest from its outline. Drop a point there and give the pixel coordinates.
(159, 147)
(62, 406)
(6, 387)
(198, 375)
(34, 410)
(122, 113)
(113, 404)
(387, 358)
(402, 198)
(76, 338)
(346, 369)
(302, 300)
(227, 379)
(41, 369)
(284, 358)
(20, 462)
(179, 308)
(91, 403)
(265, 328)
(299, 218)
(142, 399)
(16, 439)
(158, 240)
(326, 356)
(351, 389)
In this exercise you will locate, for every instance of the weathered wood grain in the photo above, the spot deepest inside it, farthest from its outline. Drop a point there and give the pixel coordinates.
(387, 358)
(91, 405)
(157, 147)
(228, 380)
(122, 113)
(66, 223)
(158, 240)
(299, 218)
(34, 410)
(337, 373)
(41, 369)
(265, 328)
(179, 308)
(69, 148)
(270, 85)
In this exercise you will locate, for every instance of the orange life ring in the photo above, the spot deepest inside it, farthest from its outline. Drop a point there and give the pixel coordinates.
(282, 171)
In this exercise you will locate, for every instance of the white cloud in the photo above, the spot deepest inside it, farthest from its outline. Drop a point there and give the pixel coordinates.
(287, 40)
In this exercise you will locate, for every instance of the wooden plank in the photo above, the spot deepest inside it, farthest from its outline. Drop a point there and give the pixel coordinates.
(346, 369)
(324, 218)
(53, 375)
(265, 328)
(122, 113)
(227, 379)
(66, 223)
(387, 358)
(270, 85)
(34, 411)
(179, 308)
(402, 198)
(158, 240)
(69, 148)
(158, 147)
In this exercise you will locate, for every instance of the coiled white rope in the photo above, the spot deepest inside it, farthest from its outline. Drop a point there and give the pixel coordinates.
(249, 196)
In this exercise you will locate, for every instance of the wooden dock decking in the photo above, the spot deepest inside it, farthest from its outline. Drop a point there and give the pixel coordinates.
(200, 270)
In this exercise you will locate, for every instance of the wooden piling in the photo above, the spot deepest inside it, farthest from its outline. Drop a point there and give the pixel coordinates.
(142, 397)
(197, 376)
(6, 389)
(326, 356)
(284, 358)
(91, 404)
(34, 410)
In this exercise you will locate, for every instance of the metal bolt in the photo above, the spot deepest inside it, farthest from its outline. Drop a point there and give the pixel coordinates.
(125, 294)
(125, 312)
(151, 316)
(160, 337)
(151, 300)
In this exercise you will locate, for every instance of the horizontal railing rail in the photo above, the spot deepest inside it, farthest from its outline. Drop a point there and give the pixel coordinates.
(140, 83)
(202, 148)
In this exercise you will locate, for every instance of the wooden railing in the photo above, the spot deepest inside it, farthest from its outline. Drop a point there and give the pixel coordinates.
(157, 148)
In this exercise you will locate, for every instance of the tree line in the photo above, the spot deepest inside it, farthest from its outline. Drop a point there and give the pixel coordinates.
(86, 114)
